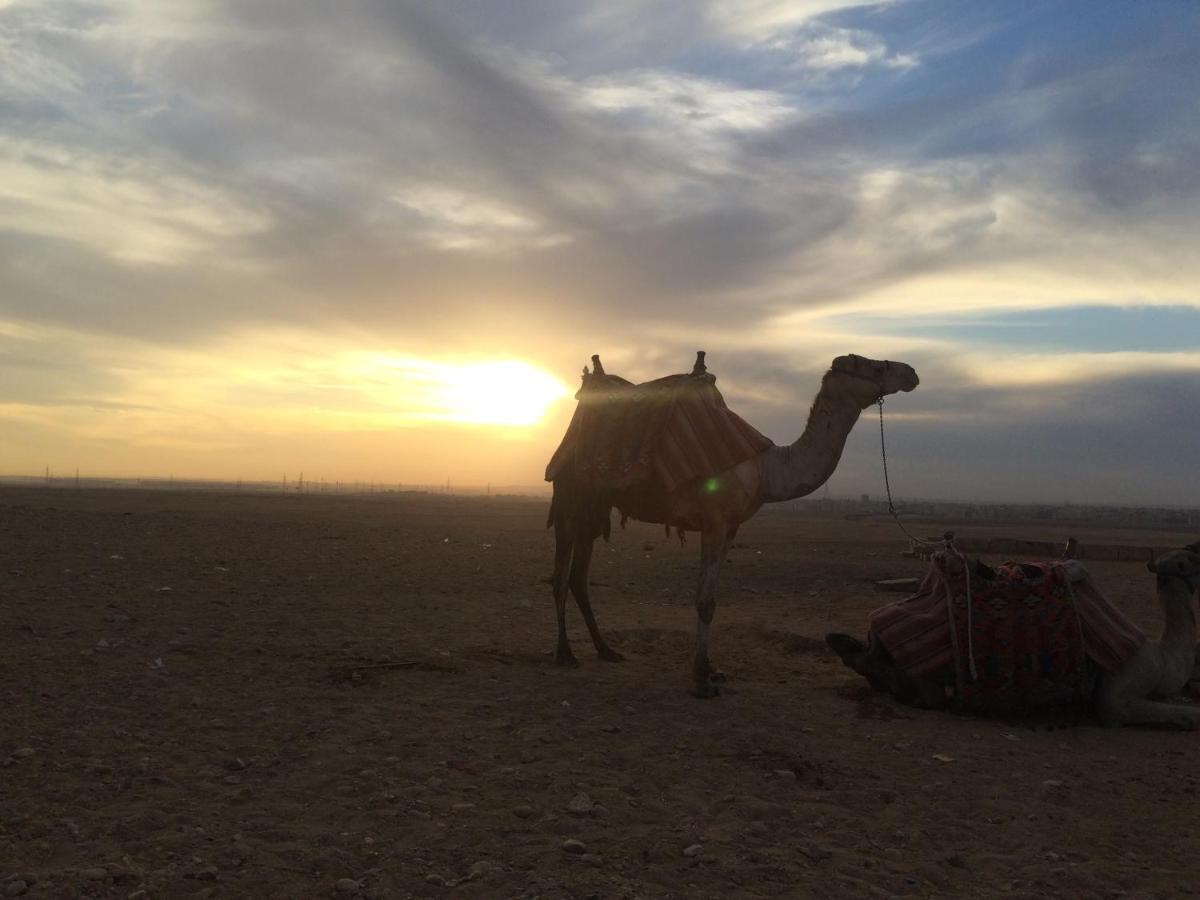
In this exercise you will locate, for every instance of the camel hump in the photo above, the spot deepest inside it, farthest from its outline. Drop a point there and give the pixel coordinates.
(699, 368)
(597, 368)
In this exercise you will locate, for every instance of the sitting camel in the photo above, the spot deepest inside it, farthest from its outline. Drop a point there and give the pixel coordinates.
(1131, 694)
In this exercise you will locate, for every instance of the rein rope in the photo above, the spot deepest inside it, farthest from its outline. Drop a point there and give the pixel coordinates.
(888, 487)
(947, 543)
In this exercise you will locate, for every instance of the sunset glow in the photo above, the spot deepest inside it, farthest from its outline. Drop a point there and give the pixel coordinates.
(381, 242)
(497, 393)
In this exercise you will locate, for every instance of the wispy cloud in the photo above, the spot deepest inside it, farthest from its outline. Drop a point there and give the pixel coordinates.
(774, 181)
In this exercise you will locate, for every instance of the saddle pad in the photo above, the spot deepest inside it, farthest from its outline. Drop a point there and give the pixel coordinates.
(1029, 634)
(668, 431)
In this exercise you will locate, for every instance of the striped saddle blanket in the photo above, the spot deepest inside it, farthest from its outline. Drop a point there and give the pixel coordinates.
(657, 435)
(1023, 641)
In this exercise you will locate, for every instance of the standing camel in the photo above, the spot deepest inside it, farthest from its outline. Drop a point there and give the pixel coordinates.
(714, 506)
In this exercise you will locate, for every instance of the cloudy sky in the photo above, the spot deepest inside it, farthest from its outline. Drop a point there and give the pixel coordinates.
(379, 240)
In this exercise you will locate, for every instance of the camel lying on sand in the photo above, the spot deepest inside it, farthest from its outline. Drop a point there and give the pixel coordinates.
(1132, 694)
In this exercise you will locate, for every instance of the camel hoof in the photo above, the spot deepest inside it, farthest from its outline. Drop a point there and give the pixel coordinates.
(566, 660)
(715, 677)
(608, 654)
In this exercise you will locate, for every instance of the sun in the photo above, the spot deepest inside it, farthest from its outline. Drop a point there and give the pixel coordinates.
(504, 392)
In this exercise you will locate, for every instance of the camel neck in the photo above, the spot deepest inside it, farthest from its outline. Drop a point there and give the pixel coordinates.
(1179, 619)
(804, 465)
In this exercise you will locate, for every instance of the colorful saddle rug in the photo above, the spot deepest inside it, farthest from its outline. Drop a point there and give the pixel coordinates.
(1023, 642)
(657, 435)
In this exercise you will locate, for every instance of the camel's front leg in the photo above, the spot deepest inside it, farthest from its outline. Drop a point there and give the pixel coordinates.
(714, 544)
(1153, 712)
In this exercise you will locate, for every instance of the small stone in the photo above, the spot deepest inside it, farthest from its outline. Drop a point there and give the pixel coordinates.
(15, 888)
(233, 779)
(434, 878)
(102, 644)
(592, 859)
(348, 886)
(23, 752)
(462, 807)
(522, 811)
(96, 873)
(1052, 783)
(478, 870)
(580, 805)
(571, 845)
(786, 774)
(138, 895)
(693, 850)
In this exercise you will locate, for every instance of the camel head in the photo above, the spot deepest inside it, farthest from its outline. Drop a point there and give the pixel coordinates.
(1183, 563)
(869, 379)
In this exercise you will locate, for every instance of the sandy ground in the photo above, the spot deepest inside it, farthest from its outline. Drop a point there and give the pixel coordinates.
(180, 715)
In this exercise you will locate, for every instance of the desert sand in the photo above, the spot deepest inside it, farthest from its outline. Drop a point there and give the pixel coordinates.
(206, 695)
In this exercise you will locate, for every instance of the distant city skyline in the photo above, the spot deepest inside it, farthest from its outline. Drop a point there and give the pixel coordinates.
(379, 241)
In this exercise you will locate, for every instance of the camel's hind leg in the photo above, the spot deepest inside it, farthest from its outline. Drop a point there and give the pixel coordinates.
(877, 667)
(581, 560)
(563, 543)
(714, 544)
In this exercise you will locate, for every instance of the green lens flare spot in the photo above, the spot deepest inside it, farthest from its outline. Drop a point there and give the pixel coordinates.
(712, 485)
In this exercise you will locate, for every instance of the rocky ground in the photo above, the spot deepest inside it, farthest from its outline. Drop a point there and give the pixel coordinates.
(311, 696)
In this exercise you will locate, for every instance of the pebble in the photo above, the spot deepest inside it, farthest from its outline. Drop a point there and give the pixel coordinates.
(94, 874)
(580, 805)
(523, 811)
(693, 850)
(571, 845)
(1052, 783)
(15, 888)
(478, 870)
(348, 886)
(23, 752)
(434, 878)
(592, 859)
